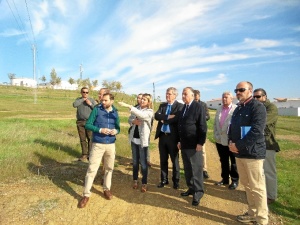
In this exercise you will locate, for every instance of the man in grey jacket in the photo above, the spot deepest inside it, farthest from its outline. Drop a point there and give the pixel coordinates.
(84, 105)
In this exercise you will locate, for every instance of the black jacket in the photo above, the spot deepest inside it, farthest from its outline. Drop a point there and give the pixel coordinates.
(251, 113)
(161, 115)
(192, 126)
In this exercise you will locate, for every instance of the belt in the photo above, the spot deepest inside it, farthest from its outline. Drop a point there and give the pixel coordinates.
(166, 134)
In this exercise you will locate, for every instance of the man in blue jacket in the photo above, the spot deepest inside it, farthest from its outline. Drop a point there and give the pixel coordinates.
(247, 142)
(105, 123)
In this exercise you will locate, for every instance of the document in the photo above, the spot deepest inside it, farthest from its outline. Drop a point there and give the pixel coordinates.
(244, 130)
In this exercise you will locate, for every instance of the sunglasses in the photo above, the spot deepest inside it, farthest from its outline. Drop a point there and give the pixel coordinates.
(240, 90)
(85, 92)
(257, 96)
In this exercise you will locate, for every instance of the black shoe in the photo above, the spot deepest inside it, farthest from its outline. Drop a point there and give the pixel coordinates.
(176, 186)
(205, 175)
(187, 193)
(233, 185)
(195, 202)
(162, 184)
(222, 182)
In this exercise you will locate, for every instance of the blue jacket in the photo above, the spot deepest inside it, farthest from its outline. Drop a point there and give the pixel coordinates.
(100, 118)
(253, 114)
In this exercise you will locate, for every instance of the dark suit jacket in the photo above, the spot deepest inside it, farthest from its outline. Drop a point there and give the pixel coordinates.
(192, 126)
(161, 115)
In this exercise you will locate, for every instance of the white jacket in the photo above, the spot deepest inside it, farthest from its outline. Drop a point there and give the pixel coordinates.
(146, 116)
(220, 134)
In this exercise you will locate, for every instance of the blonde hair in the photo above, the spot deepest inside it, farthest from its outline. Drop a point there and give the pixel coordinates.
(149, 98)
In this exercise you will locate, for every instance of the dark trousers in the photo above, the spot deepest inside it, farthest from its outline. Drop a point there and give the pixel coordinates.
(167, 145)
(85, 137)
(193, 171)
(226, 168)
(139, 156)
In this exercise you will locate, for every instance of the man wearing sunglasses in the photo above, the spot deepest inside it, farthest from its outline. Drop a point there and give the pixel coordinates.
(247, 142)
(84, 106)
(272, 145)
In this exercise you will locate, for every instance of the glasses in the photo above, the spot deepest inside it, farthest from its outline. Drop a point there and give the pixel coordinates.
(240, 90)
(257, 96)
(85, 92)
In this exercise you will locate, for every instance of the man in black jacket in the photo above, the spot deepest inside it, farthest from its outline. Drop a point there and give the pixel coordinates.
(247, 142)
(167, 132)
(192, 130)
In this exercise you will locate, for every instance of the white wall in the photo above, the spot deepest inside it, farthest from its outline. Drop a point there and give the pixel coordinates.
(289, 111)
(26, 82)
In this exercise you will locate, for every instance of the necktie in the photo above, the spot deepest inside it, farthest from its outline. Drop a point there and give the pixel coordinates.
(186, 109)
(165, 126)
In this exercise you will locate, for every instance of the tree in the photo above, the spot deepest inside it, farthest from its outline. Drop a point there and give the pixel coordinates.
(11, 76)
(95, 83)
(71, 81)
(54, 78)
(84, 83)
(114, 86)
(43, 78)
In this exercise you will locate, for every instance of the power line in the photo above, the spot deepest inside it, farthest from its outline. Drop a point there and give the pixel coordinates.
(30, 23)
(22, 24)
(22, 30)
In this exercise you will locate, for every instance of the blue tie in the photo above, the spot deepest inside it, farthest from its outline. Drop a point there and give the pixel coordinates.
(165, 126)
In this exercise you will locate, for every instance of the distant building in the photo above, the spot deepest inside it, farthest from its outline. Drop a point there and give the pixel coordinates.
(286, 106)
(216, 102)
(25, 82)
(65, 85)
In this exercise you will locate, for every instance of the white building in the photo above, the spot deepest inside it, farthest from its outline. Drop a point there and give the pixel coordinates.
(286, 106)
(25, 82)
(65, 85)
(216, 102)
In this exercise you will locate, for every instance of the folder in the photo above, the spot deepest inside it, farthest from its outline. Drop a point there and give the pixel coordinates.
(244, 130)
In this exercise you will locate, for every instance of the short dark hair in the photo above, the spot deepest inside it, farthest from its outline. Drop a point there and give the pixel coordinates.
(111, 97)
(84, 88)
(196, 92)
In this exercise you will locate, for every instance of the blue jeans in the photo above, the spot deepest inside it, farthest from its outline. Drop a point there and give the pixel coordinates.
(139, 156)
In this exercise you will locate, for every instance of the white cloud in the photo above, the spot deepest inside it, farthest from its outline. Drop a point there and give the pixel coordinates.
(256, 43)
(11, 33)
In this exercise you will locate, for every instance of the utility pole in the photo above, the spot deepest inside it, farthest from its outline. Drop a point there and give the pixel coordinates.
(34, 77)
(154, 95)
(34, 49)
(80, 69)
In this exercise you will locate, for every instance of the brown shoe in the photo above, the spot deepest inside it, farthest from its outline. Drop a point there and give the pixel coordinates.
(108, 195)
(144, 188)
(83, 202)
(135, 184)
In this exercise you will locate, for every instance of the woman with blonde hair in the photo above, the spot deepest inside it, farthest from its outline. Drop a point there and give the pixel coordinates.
(139, 137)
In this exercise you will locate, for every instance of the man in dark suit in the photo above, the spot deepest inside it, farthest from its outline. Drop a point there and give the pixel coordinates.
(167, 132)
(192, 129)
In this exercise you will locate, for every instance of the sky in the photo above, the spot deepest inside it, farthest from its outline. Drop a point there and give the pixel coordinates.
(155, 44)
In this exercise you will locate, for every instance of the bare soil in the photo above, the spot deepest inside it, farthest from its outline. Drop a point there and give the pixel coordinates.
(52, 194)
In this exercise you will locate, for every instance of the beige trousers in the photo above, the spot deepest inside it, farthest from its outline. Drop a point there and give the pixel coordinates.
(252, 176)
(204, 158)
(108, 152)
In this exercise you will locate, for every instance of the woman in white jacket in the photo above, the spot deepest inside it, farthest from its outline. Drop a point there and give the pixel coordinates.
(139, 137)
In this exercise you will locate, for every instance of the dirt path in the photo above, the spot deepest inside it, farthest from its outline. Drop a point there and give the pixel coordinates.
(49, 200)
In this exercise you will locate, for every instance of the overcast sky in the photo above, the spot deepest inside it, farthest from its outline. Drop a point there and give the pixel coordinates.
(208, 45)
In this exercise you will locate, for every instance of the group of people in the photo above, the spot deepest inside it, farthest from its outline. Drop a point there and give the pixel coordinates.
(244, 135)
